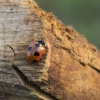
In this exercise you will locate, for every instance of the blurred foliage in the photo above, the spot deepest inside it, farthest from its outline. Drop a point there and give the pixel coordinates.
(83, 15)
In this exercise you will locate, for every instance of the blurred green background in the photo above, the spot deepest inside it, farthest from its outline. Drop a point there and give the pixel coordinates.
(83, 15)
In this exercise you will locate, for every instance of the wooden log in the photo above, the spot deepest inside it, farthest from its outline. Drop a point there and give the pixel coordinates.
(70, 70)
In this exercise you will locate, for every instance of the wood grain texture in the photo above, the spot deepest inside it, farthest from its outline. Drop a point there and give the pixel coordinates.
(19, 26)
(15, 92)
(70, 69)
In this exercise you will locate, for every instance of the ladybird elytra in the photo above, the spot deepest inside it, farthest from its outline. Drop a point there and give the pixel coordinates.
(35, 51)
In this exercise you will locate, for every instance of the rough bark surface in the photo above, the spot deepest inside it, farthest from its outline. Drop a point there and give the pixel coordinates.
(70, 70)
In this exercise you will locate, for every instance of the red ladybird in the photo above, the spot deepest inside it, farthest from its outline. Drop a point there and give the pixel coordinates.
(35, 51)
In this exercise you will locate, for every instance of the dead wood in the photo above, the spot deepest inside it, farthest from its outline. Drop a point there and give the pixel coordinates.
(70, 69)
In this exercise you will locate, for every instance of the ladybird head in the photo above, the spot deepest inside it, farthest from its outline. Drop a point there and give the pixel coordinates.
(41, 43)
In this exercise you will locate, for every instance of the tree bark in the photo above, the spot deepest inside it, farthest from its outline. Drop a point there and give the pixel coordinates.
(70, 70)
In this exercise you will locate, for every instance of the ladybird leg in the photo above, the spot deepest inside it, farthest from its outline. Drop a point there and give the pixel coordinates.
(32, 86)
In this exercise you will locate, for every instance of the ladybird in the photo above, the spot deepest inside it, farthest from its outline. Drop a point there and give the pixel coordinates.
(35, 51)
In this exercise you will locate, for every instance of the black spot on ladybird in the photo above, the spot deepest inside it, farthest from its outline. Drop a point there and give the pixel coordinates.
(29, 48)
(36, 53)
(37, 45)
(41, 42)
